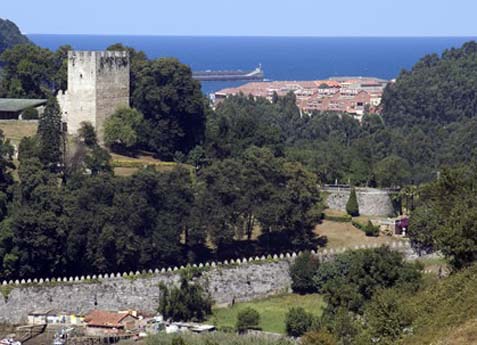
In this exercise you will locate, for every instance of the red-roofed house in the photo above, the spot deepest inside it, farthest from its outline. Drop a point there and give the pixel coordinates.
(104, 322)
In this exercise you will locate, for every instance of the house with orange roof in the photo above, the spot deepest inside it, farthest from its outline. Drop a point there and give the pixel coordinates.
(99, 322)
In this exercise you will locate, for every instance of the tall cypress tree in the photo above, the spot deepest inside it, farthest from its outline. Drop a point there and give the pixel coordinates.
(6, 179)
(352, 206)
(50, 136)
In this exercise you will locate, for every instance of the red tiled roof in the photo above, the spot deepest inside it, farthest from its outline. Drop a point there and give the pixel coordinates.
(341, 95)
(99, 318)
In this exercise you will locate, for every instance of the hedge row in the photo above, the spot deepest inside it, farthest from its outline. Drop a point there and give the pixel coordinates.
(124, 163)
(340, 219)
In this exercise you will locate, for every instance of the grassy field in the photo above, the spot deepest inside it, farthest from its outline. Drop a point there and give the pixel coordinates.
(15, 130)
(272, 311)
(126, 166)
(346, 235)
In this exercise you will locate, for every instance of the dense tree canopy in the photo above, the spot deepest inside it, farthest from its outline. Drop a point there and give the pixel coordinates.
(446, 218)
(354, 277)
(33, 72)
(173, 107)
(438, 89)
(121, 129)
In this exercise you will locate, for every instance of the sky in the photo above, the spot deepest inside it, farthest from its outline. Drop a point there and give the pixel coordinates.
(245, 17)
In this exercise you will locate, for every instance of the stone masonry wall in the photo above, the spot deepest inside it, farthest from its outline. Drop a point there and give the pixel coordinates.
(372, 202)
(98, 83)
(237, 280)
(112, 86)
(225, 284)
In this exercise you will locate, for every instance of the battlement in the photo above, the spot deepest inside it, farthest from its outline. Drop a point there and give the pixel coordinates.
(323, 254)
(99, 59)
(86, 54)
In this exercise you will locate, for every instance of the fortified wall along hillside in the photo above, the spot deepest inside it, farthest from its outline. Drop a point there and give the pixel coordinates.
(371, 201)
(237, 280)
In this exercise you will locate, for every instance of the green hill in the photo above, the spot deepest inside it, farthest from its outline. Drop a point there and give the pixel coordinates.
(10, 35)
(438, 89)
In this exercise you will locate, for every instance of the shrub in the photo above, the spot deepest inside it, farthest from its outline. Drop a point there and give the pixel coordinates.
(30, 114)
(353, 277)
(121, 129)
(186, 303)
(298, 322)
(319, 338)
(352, 206)
(371, 230)
(302, 272)
(178, 341)
(388, 315)
(358, 225)
(340, 219)
(87, 133)
(248, 318)
(342, 324)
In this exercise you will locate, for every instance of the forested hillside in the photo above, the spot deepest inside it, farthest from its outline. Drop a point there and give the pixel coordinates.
(10, 35)
(438, 90)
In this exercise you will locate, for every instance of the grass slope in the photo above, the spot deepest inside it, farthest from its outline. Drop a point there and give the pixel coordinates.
(445, 312)
(211, 339)
(272, 311)
(126, 166)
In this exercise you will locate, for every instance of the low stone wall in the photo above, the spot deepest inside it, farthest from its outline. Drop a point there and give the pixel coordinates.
(225, 283)
(372, 202)
(235, 280)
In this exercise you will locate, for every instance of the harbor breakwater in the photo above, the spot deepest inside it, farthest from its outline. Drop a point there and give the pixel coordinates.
(226, 282)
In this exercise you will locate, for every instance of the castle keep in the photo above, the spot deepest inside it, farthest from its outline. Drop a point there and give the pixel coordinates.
(98, 83)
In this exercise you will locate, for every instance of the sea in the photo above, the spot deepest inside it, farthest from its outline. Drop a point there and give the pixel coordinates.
(282, 58)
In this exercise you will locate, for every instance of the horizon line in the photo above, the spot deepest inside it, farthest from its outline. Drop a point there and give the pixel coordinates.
(257, 36)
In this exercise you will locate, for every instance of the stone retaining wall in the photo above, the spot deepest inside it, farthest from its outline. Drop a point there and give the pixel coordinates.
(371, 202)
(228, 281)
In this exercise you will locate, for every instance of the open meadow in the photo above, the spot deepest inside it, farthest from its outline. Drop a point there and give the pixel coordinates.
(272, 311)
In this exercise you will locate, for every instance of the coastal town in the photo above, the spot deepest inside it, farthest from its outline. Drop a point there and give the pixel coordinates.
(353, 95)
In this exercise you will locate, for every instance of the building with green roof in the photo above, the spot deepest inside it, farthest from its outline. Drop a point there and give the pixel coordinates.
(11, 108)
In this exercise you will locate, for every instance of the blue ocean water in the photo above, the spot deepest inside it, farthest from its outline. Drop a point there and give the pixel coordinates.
(283, 58)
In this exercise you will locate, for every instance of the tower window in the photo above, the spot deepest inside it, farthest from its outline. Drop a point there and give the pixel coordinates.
(81, 76)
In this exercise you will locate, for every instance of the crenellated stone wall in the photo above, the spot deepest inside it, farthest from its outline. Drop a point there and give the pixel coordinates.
(228, 281)
(372, 202)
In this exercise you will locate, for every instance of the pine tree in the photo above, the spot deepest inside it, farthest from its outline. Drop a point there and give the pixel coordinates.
(352, 206)
(50, 136)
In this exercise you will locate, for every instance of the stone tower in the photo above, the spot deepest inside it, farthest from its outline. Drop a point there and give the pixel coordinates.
(98, 83)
